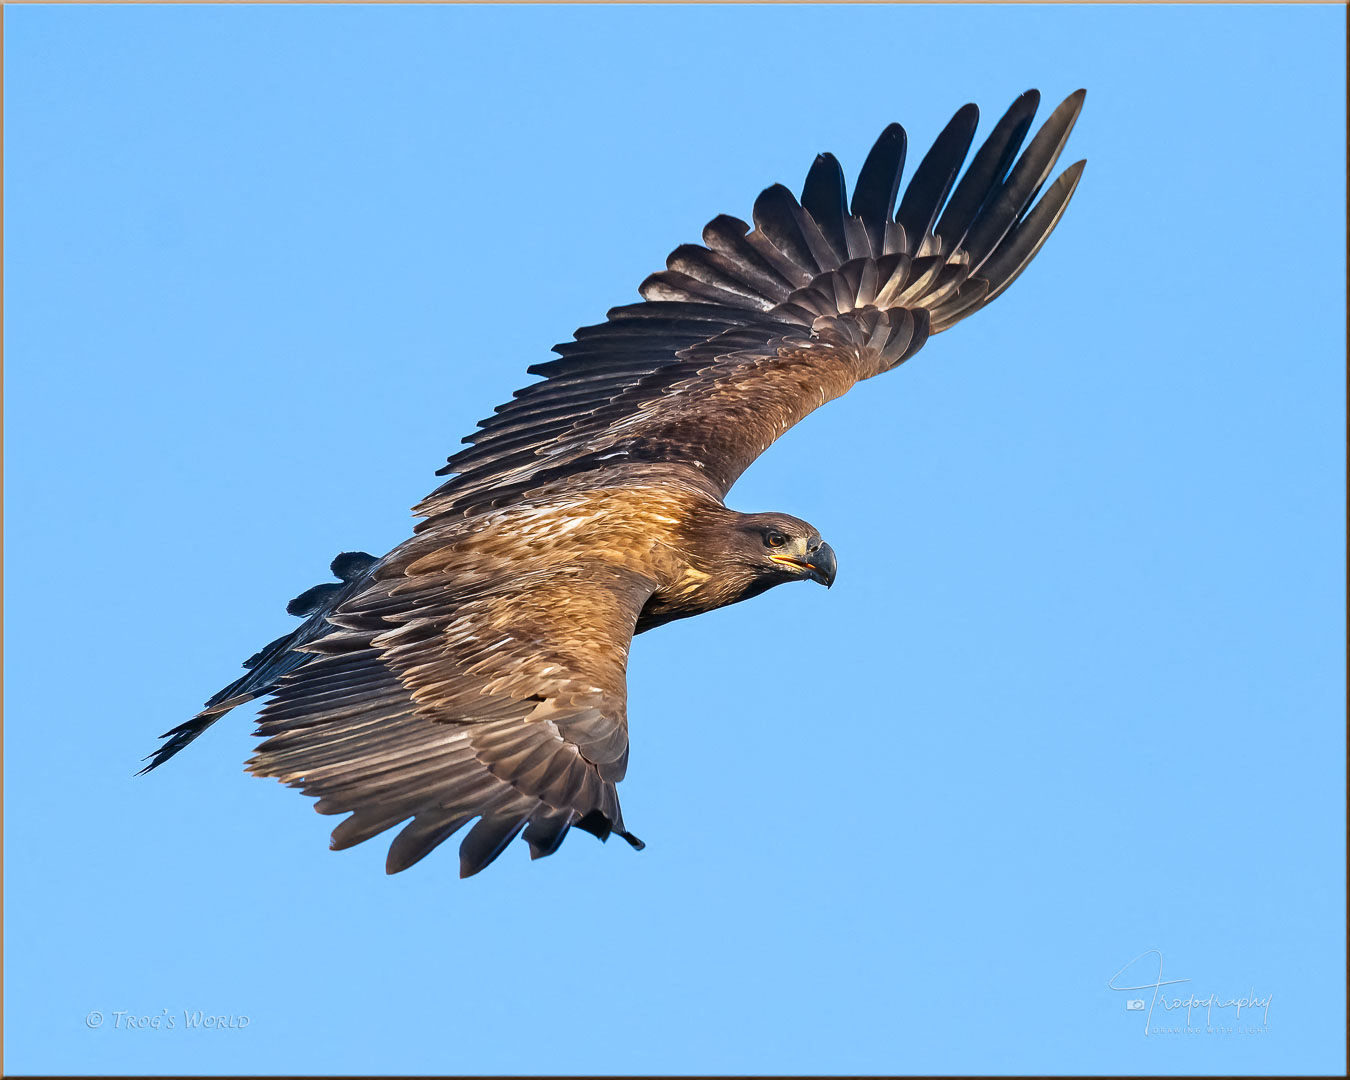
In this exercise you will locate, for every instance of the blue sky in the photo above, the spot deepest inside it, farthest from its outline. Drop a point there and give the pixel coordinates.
(1077, 694)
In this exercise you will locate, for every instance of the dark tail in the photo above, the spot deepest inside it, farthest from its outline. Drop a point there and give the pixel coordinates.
(271, 662)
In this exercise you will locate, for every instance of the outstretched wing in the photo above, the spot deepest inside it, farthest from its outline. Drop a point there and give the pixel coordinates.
(740, 339)
(471, 678)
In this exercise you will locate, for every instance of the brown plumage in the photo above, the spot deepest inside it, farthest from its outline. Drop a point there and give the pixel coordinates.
(477, 671)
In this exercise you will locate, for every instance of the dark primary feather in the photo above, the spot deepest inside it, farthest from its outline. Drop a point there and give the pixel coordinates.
(823, 198)
(986, 172)
(879, 184)
(933, 179)
(1007, 204)
(474, 676)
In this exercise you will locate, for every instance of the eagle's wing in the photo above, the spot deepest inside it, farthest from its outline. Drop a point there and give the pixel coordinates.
(473, 677)
(740, 339)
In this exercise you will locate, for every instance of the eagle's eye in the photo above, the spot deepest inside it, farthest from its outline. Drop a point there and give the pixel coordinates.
(773, 538)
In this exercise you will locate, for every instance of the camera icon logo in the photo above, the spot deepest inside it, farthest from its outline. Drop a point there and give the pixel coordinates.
(1135, 1004)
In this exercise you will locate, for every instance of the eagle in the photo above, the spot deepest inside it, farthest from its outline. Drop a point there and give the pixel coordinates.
(476, 672)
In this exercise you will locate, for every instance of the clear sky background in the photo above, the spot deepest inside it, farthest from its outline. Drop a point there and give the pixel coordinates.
(1077, 694)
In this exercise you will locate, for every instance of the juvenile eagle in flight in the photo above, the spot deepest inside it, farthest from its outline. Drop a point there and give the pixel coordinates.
(476, 671)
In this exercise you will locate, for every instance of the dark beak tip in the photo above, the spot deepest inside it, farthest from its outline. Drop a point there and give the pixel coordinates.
(824, 565)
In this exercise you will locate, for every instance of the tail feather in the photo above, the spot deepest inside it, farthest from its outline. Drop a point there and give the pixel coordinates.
(276, 659)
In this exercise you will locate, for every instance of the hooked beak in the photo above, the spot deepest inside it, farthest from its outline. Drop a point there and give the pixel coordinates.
(819, 564)
(822, 565)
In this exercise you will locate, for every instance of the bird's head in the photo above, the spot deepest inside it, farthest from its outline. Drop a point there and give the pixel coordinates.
(779, 548)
